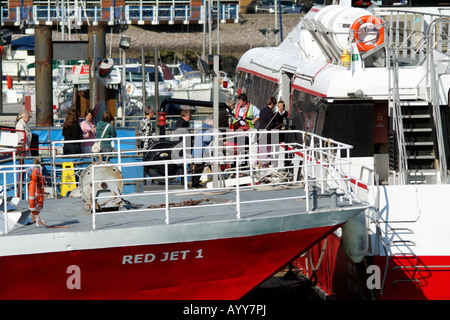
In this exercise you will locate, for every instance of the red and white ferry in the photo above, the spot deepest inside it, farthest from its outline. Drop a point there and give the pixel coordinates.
(373, 74)
(170, 242)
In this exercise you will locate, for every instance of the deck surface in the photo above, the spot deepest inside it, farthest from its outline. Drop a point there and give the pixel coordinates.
(71, 215)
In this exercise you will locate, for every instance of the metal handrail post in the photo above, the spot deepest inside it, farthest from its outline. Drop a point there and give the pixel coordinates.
(94, 226)
(185, 165)
(238, 194)
(166, 178)
(5, 207)
(434, 95)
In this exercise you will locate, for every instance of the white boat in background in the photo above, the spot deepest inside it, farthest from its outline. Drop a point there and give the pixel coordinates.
(377, 78)
(19, 80)
(70, 77)
(196, 85)
(133, 80)
(178, 69)
(63, 86)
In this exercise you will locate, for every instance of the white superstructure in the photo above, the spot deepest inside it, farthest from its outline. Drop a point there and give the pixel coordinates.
(376, 78)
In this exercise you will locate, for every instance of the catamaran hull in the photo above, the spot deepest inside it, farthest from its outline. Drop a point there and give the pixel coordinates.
(408, 277)
(412, 262)
(415, 277)
(211, 269)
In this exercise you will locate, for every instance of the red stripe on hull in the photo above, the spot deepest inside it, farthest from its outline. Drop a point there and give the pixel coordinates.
(258, 74)
(408, 277)
(214, 269)
(415, 278)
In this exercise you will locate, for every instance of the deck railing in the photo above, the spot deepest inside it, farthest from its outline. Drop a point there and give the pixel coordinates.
(316, 164)
(77, 16)
(321, 167)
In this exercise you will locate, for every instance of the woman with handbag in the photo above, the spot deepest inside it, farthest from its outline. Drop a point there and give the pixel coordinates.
(105, 130)
(88, 128)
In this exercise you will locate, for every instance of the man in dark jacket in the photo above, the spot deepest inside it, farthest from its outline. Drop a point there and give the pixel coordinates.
(226, 115)
(266, 116)
(266, 122)
(183, 121)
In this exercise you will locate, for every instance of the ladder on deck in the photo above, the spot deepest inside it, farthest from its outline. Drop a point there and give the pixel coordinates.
(417, 143)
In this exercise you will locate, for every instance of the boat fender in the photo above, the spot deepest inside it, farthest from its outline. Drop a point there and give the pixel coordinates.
(105, 67)
(9, 82)
(359, 28)
(36, 191)
(354, 238)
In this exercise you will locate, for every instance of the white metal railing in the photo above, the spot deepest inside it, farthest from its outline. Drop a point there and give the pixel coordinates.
(78, 15)
(185, 147)
(10, 176)
(5, 186)
(320, 159)
(434, 97)
(395, 105)
(416, 36)
(317, 164)
(408, 28)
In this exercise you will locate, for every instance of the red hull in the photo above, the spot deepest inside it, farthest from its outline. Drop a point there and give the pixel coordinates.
(416, 278)
(408, 277)
(214, 269)
(337, 275)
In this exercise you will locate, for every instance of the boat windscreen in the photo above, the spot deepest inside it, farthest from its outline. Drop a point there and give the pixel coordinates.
(137, 76)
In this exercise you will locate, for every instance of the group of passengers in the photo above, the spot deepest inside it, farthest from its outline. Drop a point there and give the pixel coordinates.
(73, 130)
(87, 130)
(239, 116)
(245, 115)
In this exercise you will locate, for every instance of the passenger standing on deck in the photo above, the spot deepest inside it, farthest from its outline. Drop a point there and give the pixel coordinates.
(183, 121)
(146, 128)
(280, 115)
(225, 115)
(200, 144)
(22, 124)
(246, 111)
(281, 119)
(88, 128)
(266, 122)
(106, 125)
(72, 131)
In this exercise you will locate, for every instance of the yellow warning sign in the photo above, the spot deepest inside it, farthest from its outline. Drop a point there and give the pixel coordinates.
(68, 181)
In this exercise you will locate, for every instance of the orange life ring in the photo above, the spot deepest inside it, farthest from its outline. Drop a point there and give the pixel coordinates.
(377, 23)
(36, 191)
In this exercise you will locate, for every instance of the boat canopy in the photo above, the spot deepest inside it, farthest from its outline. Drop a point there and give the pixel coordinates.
(23, 43)
(134, 74)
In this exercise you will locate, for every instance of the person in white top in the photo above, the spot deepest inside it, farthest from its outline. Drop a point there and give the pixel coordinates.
(24, 138)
